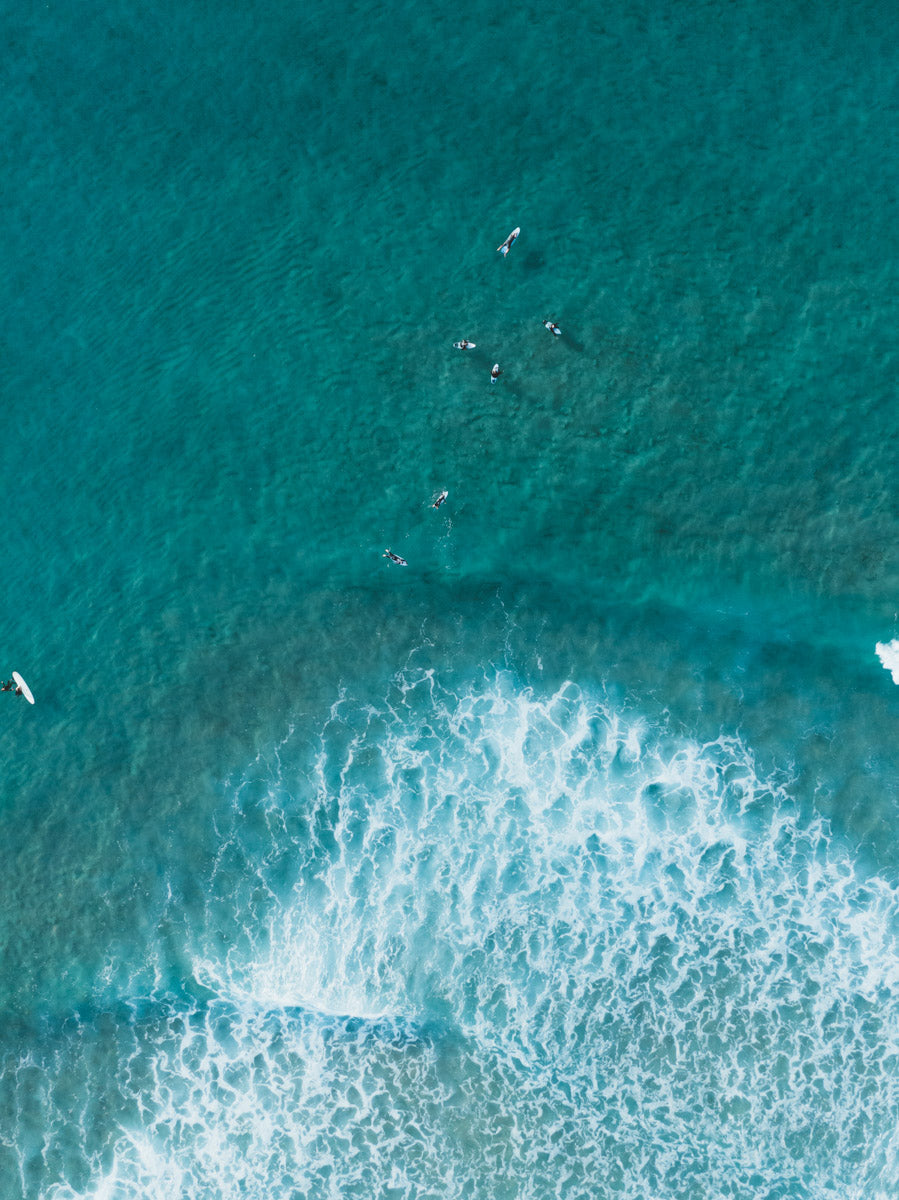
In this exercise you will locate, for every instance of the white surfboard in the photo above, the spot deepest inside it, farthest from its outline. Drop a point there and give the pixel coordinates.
(26, 690)
(464, 345)
(509, 242)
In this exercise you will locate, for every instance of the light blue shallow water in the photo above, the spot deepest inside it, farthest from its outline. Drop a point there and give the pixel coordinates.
(560, 863)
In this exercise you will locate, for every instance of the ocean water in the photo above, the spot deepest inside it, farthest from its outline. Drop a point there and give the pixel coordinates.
(561, 862)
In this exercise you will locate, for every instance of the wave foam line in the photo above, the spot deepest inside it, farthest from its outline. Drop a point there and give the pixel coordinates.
(481, 934)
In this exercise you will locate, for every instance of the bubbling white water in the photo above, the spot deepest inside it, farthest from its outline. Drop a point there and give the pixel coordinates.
(888, 653)
(488, 943)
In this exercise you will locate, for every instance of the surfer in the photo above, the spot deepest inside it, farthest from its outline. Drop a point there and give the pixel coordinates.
(7, 686)
(552, 326)
(509, 242)
(465, 344)
(495, 373)
(401, 562)
(440, 499)
(22, 688)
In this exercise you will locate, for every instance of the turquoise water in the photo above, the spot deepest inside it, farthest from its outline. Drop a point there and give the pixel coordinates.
(562, 862)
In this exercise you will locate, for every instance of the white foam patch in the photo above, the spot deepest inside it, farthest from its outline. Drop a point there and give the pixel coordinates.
(888, 653)
(491, 943)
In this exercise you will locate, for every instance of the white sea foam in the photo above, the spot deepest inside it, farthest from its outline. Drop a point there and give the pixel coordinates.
(888, 653)
(528, 946)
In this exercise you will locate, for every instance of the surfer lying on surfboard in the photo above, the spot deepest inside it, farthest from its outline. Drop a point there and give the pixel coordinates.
(509, 242)
(440, 499)
(465, 344)
(22, 688)
(495, 373)
(395, 558)
(552, 326)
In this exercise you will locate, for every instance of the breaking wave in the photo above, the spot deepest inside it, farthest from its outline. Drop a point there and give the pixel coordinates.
(484, 942)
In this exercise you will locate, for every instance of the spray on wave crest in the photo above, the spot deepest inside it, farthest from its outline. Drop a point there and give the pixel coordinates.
(481, 942)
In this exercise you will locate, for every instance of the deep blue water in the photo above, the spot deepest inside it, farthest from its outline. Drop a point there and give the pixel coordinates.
(560, 862)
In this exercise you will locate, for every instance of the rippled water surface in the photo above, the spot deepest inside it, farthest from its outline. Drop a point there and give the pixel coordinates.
(560, 862)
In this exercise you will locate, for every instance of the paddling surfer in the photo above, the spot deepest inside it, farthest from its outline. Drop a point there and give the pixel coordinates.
(495, 373)
(509, 242)
(401, 562)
